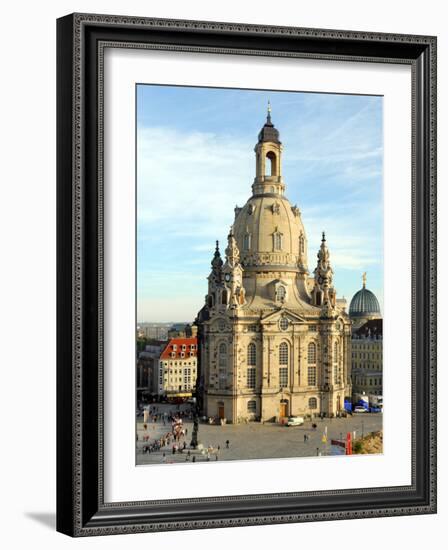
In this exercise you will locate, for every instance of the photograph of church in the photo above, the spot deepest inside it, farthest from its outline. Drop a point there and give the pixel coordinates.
(274, 338)
(258, 215)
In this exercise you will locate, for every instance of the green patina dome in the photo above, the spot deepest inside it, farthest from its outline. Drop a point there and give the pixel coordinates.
(364, 304)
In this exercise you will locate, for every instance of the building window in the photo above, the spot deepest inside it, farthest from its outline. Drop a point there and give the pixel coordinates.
(222, 366)
(271, 164)
(312, 377)
(281, 295)
(312, 403)
(277, 241)
(251, 355)
(251, 406)
(284, 323)
(224, 297)
(301, 244)
(283, 354)
(247, 241)
(336, 364)
(311, 353)
(251, 378)
(187, 379)
(283, 377)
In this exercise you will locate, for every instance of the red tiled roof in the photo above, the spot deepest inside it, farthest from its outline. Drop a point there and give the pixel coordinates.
(179, 342)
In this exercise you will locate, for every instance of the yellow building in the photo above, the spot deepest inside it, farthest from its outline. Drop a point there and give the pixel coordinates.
(367, 343)
(273, 341)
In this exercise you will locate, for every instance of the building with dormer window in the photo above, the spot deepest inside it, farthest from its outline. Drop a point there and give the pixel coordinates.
(273, 340)
(178, 368)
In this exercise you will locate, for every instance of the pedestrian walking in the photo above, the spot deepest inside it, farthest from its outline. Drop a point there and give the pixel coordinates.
(227, 444)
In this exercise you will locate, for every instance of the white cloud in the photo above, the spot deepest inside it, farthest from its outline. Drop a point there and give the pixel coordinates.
(192, 180)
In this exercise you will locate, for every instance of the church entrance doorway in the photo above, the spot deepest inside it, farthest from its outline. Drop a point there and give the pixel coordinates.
(284, 408)
(220, 409)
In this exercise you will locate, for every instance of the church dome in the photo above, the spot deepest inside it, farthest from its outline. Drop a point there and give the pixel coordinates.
(269, 231)
(364, 304)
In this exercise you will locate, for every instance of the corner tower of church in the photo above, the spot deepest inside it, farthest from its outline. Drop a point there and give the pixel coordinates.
(273, 341)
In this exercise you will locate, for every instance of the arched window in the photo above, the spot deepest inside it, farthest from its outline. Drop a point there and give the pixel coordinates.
(251, 406)
(210, 300)
(283, 354)
(251, 355)
(247, 241)
(277, 241)
(281, 293)
(312, 403)
(311, 353)
(224, 297)
(271, 164)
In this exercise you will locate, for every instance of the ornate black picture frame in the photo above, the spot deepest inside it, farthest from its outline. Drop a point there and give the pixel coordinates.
(81, 509)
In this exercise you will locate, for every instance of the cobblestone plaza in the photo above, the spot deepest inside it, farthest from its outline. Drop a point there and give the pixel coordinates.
(255, 440)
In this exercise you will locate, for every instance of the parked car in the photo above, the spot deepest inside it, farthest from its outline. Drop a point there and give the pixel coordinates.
(295, 421)
(359, 409)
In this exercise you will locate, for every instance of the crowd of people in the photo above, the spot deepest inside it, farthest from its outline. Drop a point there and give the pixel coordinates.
(173, 441)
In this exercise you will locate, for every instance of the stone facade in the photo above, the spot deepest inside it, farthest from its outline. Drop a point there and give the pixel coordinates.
(367, 359)
(273, 341)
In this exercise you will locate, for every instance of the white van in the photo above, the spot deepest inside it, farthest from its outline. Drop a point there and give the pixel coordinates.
(295, 421)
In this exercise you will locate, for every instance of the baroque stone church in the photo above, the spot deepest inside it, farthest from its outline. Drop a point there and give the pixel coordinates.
(273, 341)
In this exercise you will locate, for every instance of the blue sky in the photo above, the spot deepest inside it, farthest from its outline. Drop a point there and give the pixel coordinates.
(195, 162)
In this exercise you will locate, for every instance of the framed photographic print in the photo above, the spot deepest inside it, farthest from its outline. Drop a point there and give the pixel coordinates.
(246, 274)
